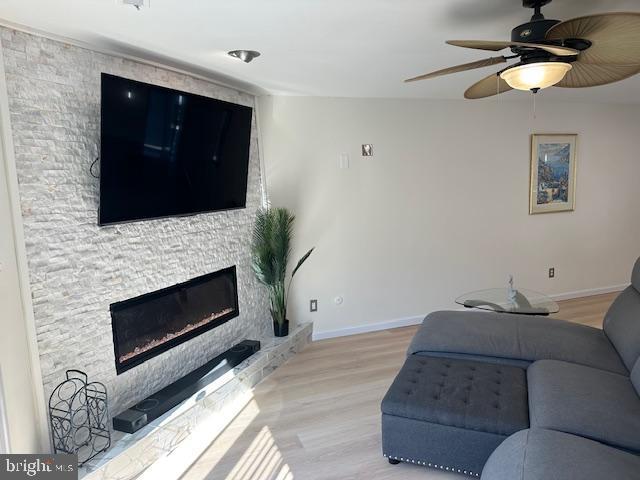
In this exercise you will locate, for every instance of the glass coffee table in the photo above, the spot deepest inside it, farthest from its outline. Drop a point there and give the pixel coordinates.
(524, 301)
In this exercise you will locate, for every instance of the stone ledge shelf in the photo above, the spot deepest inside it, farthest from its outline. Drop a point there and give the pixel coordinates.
(173, 441)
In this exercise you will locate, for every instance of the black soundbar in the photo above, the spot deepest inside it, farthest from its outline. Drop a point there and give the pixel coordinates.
(162, 401)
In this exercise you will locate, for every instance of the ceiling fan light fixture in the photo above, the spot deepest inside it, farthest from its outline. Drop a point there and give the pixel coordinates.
(535, 76)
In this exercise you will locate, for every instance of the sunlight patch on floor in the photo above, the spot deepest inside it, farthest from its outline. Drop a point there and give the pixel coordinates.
(261, 461)
(180, 460)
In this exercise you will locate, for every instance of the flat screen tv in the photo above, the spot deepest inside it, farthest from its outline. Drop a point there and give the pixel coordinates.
(166, 153)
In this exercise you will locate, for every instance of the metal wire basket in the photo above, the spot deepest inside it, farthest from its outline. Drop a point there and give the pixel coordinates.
(79, 415)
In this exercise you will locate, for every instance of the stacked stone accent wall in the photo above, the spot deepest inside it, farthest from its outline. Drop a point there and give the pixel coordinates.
(76, 268)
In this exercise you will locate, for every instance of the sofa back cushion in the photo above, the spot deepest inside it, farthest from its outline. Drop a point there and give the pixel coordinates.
(622, 321)
(635, 276)
(635, 377)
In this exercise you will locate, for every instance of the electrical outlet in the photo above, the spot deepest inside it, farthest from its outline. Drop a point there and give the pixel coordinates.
(552, 272)
(313, 305)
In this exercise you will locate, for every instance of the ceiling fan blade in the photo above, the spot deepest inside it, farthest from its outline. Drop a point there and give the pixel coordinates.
(591, 75)
(615, 37)
(487, 87)
(487, 62)
(498, 45)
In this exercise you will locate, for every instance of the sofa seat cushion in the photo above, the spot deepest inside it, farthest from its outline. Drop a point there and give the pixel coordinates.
(547, 455)
(584, 401)
(460, 393)
(518, 337)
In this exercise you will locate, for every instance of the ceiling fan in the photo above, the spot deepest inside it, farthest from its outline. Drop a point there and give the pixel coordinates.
(581, 52)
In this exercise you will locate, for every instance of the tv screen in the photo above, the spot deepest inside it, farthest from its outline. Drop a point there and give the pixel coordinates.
(169, 153)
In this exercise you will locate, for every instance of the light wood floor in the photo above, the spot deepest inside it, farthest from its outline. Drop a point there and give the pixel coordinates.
(318, 416)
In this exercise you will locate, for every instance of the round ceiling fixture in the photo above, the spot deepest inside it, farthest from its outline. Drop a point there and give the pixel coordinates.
(245, 55)
(137, 4)
(535, 76)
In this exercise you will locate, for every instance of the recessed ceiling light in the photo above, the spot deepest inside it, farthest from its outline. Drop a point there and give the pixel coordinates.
(244, 55)
(138, 4)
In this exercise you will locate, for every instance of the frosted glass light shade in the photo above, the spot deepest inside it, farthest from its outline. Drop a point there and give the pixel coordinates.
(535, 75)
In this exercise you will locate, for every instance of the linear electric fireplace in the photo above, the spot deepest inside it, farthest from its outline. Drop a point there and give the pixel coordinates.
(150, 324)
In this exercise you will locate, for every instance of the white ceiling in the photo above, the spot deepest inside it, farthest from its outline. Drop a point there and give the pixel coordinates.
(345, 48)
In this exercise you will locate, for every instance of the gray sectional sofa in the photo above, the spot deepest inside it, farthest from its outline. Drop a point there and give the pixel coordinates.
(514, 397)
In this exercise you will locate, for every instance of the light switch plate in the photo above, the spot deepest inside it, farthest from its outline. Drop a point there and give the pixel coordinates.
(343, 161)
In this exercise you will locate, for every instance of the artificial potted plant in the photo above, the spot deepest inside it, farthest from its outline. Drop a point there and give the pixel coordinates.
(270, 250)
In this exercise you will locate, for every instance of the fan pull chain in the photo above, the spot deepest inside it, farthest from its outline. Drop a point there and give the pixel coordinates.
(534, 104)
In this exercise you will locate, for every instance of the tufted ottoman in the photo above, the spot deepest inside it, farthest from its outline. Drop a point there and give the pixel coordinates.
(451, 414)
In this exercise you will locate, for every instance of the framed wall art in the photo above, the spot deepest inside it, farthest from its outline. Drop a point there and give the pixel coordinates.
(553, 173)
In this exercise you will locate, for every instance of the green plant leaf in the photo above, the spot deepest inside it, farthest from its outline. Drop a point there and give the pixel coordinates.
(270, 251)
(301, 261)
(262, 255)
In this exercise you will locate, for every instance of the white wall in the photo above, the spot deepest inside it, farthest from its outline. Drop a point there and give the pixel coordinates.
(442, 206)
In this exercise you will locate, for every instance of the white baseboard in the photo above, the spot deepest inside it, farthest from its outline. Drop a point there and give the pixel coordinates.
(589, 292)
(372, 327)
(416, 320)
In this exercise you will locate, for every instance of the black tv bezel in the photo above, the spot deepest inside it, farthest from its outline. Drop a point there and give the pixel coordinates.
(180, 215)
(122, 367)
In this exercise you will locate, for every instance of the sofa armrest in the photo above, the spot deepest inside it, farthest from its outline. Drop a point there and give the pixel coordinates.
(514, 337)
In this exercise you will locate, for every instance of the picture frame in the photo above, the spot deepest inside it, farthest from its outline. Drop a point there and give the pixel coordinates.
(552, 185)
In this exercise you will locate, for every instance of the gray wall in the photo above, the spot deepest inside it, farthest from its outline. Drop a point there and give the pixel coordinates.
(77, 269)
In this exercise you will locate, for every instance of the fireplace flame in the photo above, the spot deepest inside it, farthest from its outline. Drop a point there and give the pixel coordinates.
(169, 336)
